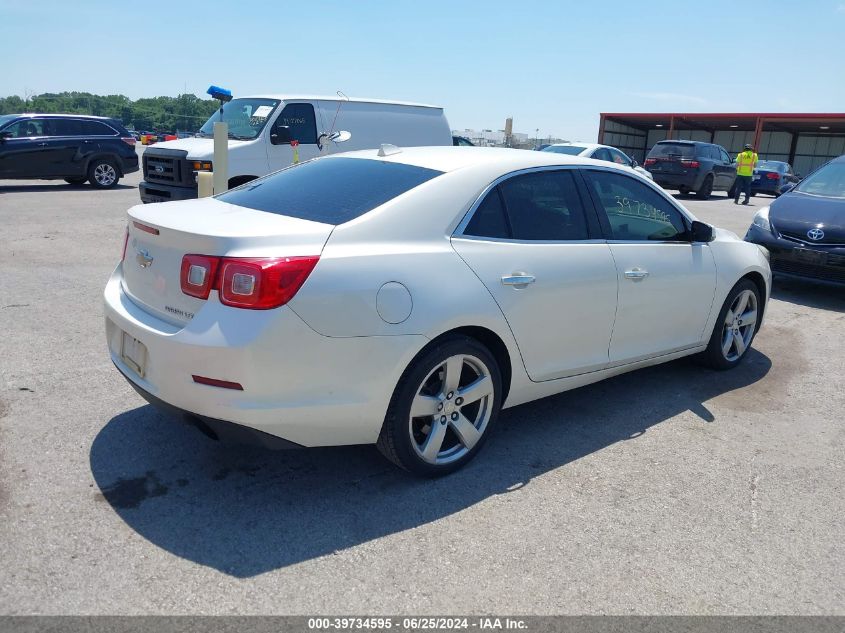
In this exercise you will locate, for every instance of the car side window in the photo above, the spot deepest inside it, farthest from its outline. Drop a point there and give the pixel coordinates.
(619, 158)
(634, 210)
(544, 205)
(26, 128)
(299, 118)
(489, 219)
(602, 154)
(95, 128)
(724, 155)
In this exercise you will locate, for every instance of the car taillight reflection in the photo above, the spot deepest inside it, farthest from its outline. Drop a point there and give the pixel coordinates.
(253, 283)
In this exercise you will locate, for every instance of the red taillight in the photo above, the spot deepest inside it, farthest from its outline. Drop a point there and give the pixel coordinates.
(125, 244)
(650, 161)
(773, 176)
(198, 275)
(690, 163)
(246, 282)
(261, 284)
(129, 140)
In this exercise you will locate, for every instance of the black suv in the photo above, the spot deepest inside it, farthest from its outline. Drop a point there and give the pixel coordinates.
(691, 166)
(75, 148)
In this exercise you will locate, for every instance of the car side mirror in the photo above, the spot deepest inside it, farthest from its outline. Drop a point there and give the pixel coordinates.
(280, 135)
(701, 232)
(634, 163)
(4, 136)
(787, 187)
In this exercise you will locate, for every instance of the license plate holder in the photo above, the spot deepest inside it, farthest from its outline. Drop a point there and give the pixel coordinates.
(134, 353)
(806, 256)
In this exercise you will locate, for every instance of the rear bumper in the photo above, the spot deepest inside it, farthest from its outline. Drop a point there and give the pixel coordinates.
(129, 164)
(674, 181)
(154, 192)
(306, 388)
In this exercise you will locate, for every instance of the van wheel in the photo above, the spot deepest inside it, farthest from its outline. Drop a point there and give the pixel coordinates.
(735, 327)
(75, 181)
(706, 188)
(102, 174)
(443, 408)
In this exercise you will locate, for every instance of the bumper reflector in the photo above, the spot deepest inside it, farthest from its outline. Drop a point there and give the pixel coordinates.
(214, 382)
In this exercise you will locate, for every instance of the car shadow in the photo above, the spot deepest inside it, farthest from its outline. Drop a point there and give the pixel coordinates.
(245, 511)
(808, 293)
(60, 187)
(716, 196)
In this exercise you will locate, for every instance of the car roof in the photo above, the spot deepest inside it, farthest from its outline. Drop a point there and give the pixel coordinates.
(63, 116)
(450, 158)
(304, 97)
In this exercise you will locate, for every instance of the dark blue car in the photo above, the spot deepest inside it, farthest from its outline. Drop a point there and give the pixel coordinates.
(804, 229)
(770, 176)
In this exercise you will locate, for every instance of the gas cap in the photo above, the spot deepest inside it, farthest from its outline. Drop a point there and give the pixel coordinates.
(394, 303)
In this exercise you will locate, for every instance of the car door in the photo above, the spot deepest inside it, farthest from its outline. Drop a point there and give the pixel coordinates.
(666, 283)
(296, 122)
(538, 249)
(25, 150)
(67, 145)
(726, 169)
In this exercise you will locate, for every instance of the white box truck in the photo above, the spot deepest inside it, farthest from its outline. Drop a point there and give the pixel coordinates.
(261, 129)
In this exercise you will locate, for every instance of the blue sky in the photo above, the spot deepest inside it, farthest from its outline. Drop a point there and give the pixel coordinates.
(553, 65)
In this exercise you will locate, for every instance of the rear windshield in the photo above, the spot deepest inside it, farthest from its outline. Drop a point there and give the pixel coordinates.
(771, 165)
(329, 190)
(684, 150)
(828, 181)
(572, 150)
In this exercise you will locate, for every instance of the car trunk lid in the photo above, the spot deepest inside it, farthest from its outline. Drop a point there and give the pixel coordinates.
(160, 235)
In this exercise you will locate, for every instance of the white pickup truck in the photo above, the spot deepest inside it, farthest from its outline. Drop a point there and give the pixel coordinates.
(261, 129)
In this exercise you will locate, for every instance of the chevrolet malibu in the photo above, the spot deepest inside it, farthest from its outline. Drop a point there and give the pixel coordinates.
(403, 297)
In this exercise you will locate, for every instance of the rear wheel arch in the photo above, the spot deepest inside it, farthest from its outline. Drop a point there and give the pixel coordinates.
(492, 341)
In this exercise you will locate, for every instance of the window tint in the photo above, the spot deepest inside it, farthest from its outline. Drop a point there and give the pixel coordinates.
(602, 154)
(27, 128)
(635, 211)
(489, 218)
(299, 117)
(95, 128)
(572, 150)
(329, 190)
(680, 150)
(544, 205)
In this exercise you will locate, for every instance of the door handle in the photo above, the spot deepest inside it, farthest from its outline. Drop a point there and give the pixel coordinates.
(636, 273)
(42, 144)
(518, 279)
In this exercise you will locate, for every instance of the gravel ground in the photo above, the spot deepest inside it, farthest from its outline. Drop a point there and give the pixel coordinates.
(672, 489)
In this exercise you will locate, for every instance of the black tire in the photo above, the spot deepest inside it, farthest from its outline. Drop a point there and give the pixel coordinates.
(714, 356)
(706, 188)
(399, 440)
(684, 191)
(103, 173)
(76, 180)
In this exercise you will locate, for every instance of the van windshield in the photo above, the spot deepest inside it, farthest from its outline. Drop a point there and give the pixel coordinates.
(683, 150)
(246, 118)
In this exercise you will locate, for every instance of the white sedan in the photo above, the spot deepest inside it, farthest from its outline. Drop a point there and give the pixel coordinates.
(404, 297)
(599, 152)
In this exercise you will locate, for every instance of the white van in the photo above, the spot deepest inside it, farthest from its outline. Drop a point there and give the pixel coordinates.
(261, 129)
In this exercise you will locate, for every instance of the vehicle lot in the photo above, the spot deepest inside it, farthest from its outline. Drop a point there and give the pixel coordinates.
(669, 490)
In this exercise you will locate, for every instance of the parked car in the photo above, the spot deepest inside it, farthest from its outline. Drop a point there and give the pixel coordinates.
(462, 141)
(378, 297)
(804, 229)
(691, 166)
(261, 130)
(66, 146)
(598, 152)
(770, 176)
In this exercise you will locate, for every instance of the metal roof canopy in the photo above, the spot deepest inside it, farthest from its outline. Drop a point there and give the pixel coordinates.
(823, 123)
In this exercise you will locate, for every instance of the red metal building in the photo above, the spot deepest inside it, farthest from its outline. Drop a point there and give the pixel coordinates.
(804, 140)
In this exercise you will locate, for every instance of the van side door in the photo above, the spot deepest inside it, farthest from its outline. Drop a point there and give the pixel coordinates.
(296, 122)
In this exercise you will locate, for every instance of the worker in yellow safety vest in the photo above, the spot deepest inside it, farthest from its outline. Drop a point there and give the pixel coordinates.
(745, 163)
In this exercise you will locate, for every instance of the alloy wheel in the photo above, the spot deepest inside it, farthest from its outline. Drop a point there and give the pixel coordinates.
(738, 329)
(451, 409)
(104, 174)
